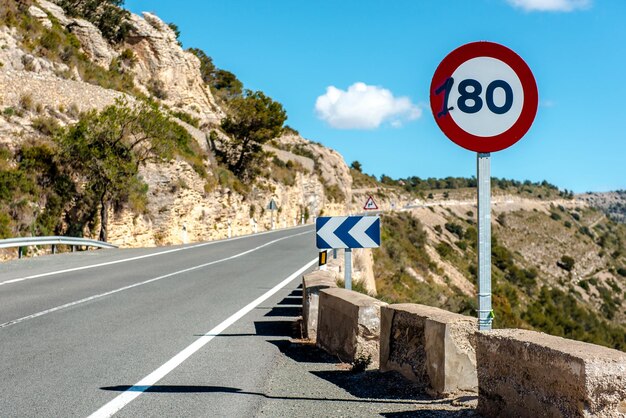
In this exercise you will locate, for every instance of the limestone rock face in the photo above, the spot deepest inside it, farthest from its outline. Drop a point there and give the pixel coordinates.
(182, 207)
(328, 164)
(57, 12)
(40, 15)
(181, 211)
(13, 58)
(163, 67)
(93, 44)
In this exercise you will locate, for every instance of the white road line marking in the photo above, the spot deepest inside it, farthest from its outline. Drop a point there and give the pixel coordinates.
(121, 289)
(109, 263)
(144, 384)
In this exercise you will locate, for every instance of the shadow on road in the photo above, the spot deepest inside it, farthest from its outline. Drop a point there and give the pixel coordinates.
(303, 352)
(292, 311)
(292, 300)
(431, 414)
(225, 389)
(395, 396)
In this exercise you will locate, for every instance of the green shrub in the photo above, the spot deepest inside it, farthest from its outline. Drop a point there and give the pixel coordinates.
(45, 125)
(50, 40)
(471, 235)
(566, 263)
(357, 286)
(284, 173)
(455, 229)
(334, 193)
(361, 362)
(186, 117)
(157, 88)
(558, 313)
(444, 249)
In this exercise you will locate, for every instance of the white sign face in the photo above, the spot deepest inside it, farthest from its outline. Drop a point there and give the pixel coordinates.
(487, 97)
(483, 97)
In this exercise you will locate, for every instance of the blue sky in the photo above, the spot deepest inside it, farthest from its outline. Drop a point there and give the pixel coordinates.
(295, 50)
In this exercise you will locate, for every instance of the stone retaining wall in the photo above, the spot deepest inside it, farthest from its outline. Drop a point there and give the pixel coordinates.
(430, 346)
(531, 374)
(312, 283)
(349, 325)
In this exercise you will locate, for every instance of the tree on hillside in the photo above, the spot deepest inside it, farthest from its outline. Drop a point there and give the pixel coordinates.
(223, 83)
(227, 85)
(253, 120)
(105, 149)
(356, 166)
(207, 68)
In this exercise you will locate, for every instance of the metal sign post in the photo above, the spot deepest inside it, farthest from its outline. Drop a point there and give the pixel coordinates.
(484, 98)
(272, 206)
(483, 167)
(348, 271)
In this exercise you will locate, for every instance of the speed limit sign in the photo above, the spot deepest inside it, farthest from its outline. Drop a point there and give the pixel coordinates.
(483, 97)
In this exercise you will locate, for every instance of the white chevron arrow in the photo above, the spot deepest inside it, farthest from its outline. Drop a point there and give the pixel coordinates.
(358, 232)
(327, 232)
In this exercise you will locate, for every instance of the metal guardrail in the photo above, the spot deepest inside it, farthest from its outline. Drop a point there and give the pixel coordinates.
(19, 243)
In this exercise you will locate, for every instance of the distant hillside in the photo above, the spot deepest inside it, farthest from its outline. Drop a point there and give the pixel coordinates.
(558, 265)
(611, 203)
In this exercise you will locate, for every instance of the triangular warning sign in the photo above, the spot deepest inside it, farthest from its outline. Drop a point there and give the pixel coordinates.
(370, 204)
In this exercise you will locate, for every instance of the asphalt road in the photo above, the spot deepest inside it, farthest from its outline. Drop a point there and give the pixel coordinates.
(148, 332)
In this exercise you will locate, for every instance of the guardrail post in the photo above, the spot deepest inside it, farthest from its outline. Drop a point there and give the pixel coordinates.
(54, 249)
(73, 248)
(19, 252)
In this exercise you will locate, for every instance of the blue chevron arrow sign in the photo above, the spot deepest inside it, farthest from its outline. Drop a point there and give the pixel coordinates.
(348, 232)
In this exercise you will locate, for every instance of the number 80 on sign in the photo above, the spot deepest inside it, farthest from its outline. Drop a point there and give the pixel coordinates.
(483, 97)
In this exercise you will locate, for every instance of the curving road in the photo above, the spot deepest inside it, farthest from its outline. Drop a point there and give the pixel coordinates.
(147, 332)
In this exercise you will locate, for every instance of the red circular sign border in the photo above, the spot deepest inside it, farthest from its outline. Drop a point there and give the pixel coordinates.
(529, 109)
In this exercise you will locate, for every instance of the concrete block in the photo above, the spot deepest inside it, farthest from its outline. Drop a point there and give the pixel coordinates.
(525, 373)
(312, 283)
(349, 325)
(430, 346)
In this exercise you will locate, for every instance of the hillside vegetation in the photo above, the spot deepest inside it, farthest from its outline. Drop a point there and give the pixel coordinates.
(558, 265)
(109, 129)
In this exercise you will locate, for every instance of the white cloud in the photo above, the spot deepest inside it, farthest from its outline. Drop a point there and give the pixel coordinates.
(550, 5)
(364, 107)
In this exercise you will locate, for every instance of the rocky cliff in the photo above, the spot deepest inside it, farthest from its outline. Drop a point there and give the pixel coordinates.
(182, 206)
